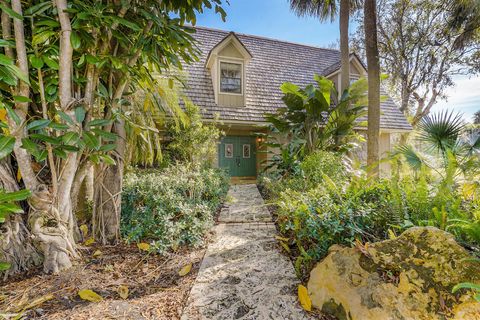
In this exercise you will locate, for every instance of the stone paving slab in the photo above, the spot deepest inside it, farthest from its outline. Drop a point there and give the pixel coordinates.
(243, 274)
(245, 204)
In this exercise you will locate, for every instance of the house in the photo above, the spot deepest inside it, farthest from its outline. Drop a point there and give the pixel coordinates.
(238, 78)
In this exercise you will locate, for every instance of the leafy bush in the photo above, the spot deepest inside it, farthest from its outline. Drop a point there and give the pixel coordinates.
(171, 207)
(193, 141)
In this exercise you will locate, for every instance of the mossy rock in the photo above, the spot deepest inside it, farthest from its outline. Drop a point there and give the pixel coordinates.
(410, 277)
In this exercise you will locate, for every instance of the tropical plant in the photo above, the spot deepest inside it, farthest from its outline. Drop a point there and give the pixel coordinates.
(445, 147)
(65, 103)
(193, 140)
(312, 122)
(146, 120)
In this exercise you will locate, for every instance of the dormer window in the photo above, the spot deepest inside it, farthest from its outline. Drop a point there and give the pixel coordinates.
(230, 77)
(228, 61)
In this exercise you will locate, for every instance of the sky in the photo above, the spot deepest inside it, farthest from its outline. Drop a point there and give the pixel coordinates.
(273, 19)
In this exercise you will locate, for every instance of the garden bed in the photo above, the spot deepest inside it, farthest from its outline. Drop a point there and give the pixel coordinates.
(155, 288)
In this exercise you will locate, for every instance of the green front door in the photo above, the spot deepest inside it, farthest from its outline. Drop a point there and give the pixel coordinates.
(238, 155)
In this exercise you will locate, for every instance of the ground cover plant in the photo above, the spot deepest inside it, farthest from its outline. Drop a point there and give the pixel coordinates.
(171, 207)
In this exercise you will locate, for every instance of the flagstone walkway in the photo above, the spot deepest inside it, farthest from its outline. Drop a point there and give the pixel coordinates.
(243, 274)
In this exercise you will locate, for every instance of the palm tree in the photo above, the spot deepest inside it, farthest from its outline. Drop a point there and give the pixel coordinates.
(327, 9)
(373, 68)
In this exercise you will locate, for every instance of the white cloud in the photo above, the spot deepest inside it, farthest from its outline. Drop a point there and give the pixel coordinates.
(464, 97)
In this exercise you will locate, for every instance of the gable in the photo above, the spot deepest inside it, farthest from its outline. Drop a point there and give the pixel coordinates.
(230, 51)
(271, 63)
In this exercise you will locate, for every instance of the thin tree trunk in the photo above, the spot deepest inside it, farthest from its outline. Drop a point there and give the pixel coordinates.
(373, 66)
(108, 189)
(344, 46)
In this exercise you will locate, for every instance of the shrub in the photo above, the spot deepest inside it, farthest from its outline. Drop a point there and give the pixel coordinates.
(194, 141)
(321, 163)
(171, 207)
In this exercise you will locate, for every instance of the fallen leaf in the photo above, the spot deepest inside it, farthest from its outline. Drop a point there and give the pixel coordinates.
(143, 246)
(281, 238)
(123, 292)
(185, 270)
(97, 253)
(89, 241)
(84, 230)
(304, 298)
(285, 246)
(89, 295)
(36, 302)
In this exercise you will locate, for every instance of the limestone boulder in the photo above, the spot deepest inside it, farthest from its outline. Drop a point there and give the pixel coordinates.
(409, 277)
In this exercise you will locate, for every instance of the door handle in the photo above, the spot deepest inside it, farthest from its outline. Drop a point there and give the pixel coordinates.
(238, 161)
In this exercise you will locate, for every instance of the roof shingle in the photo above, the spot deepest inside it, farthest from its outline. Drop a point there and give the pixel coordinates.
(273, 63)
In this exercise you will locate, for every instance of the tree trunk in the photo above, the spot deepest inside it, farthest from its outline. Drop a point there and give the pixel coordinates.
(16, 246)
(108, 189)
(373, 66)
(344, 46)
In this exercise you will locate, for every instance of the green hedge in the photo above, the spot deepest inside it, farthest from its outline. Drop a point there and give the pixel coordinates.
(171, 207)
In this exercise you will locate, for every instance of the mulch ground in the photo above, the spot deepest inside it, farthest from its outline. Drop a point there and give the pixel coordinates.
(155, 289)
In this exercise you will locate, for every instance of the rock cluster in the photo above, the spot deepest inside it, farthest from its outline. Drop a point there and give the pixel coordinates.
(409, 277)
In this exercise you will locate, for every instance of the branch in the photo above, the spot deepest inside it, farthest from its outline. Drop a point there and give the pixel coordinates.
(66, 53)
(24, 160)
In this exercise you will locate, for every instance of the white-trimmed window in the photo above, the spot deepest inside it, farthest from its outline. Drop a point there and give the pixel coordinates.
(246, 151)
(228, 150)
(230, 77)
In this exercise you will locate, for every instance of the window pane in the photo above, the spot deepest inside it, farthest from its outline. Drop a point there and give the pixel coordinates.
(230, 77)
(228, 150)
(246, 151)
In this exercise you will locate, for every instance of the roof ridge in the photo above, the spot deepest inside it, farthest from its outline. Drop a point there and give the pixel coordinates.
(265, 38)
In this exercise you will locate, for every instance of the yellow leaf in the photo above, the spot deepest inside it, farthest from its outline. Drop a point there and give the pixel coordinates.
(89, 241)
(84, 230)
(143, 246)
(19, 175)
(89, 295)
(281, 238)
(391, 234)
(468, 190)
(285, 246)
(185, 270)
(97, 253)
(123, 292)
(3, 115)
(304, 298)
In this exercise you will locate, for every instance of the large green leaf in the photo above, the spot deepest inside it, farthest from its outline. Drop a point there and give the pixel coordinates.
(38, 124)
(10, 12)
(70, 138)
(91, 140)
(5, 266)
(80, 114)
(75, 40)
(6, 145)
(14, 196)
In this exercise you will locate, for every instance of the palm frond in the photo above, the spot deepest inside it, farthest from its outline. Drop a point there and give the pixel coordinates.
(440, 131)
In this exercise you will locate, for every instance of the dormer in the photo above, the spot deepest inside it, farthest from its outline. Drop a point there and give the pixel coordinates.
(227, 64)
(357, 70)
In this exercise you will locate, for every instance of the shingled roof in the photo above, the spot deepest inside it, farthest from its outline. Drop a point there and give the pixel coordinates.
(273, 63)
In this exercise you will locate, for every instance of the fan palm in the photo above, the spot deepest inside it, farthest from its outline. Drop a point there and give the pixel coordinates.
(445, 146)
